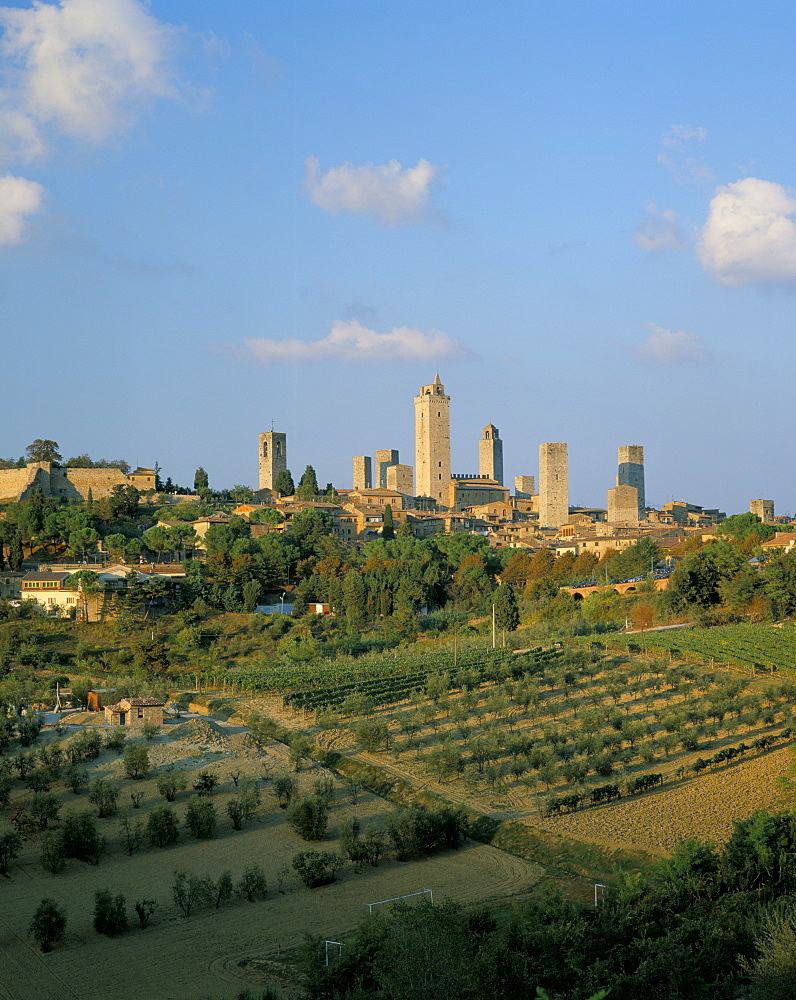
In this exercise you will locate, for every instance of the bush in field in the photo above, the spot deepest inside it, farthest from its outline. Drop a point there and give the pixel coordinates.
(10, 846)
(200, 817)
(162, 829)
(48, 925)
(252, 882)
(309, 818)
(53, 858)
(316, 867)
(76, 778)
(371, 734)
(87, 745)
(190, 891)
(44, 808)
(224, 888)
(171, 782)
(144, 909)
(110, 913)
(29, 727)
(286, 789)
(103, 796)
(419, 831)
(79, 837)
(116, 739)
(205, 782)
(136, 760)
(323, 787)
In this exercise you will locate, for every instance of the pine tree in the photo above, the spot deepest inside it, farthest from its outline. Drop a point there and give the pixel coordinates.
(507, 615)
(200, 479)
(388, 527)
(308, 485)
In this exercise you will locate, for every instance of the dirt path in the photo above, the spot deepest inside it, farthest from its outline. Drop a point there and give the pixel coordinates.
(25, 973)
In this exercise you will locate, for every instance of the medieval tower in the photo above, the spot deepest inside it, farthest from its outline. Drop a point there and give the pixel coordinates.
(631, 473)
(490, 454)
(553, 485)
(273, 458)
(432, 442)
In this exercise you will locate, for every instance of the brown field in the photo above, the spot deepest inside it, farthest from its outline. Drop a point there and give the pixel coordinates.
(214, 953)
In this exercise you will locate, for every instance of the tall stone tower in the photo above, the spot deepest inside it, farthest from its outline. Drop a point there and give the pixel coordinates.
(490, 454)
(432, 442)
(622, 504)
(553, 485)
(385, 457)
(631, 473)
(363, 476)
(273, 457)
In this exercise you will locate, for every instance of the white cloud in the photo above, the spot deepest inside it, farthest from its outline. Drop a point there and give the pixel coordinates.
(659, 231)
(677, 143)
(351, 341)
(750, 235)
(387, 193)
(671, 347)
(81, 68)
(19, 198)
(678, 135)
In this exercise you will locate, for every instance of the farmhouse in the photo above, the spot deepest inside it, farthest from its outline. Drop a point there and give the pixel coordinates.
(135, 712)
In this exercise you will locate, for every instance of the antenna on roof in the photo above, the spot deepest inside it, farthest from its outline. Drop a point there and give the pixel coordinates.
(272, 427)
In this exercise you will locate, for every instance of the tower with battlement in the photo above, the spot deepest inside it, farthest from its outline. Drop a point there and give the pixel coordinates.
(273, 457)
(631, 473)
(432, 442)
(553, 484)
(490, 454)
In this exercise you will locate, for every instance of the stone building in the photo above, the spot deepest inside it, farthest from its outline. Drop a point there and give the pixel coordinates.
(764, 509)
(273, 458)
(631, 473)
(135, 712)
(385, 458)
(400, 478)
(362, 472)
(470, 491)
(432, 442)
(553, 484)
(623, 504)
(490, 454)
(524, 487)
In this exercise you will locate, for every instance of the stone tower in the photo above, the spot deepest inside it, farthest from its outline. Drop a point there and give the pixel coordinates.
(432, 442)
(631, 473)
(273, 457)
(553, 485)
(524, 487)
(490, 454)
(764, 509)
(363, 476)
(385, 457)
(622, 504)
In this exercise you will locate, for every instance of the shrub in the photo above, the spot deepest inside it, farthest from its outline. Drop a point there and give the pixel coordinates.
(171, 782)
(132, 833)
(205, 783)
(76, 778)
(162, 829)
(285, 789)
(48, 925)
(52, 853)
(79, 837)
(103, 796)
(116, 739)
(252, 882)
(110, 913)
(309, 818)
(144, 909)
(29, 727)
(136, 760)
(149, 731)
(316, 867)
(323, 787)
(10, 846)
(189, 891)
(44, 808)
(224, 888)
(200, 818)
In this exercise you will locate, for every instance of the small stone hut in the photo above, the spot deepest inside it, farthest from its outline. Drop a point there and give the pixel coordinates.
(135, 712)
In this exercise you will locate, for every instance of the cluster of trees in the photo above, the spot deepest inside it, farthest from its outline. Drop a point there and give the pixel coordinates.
(709, 922)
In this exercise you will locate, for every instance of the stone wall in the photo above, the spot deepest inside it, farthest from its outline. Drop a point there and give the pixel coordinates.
(61, 482)
(524, 487)
(623, 504)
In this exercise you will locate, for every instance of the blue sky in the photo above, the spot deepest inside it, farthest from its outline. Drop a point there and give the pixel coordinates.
(214, 216)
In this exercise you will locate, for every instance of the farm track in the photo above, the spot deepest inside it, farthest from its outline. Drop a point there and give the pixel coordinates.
(25, 973)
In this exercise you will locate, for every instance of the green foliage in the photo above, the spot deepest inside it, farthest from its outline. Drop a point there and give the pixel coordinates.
(285, 789)
(507, 615)
(10, 846)
(315, 867)
(283, 483)
(309, 818)
(189, 891)
(169, 783)
(162, 829)
(136, 760)
(205, 782)
(104, 796)
(252, 882)
(201, 818)
(418, 832)
(79, 837)
(144, 909)
(110, 913)
(48, 925)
